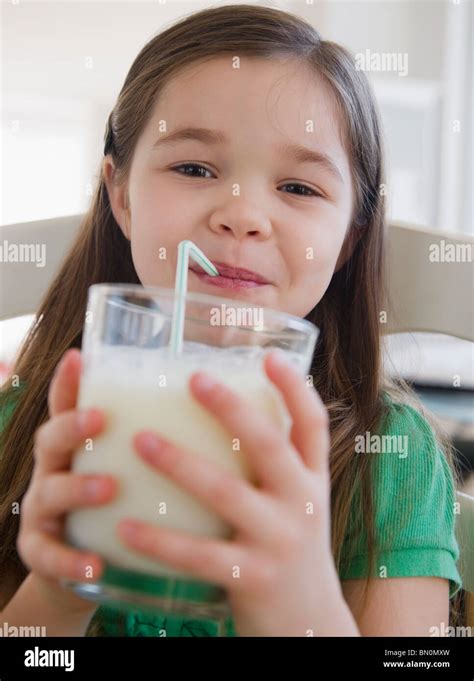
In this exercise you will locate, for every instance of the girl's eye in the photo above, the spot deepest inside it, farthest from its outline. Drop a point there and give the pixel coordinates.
(304, 187)
(190, 168)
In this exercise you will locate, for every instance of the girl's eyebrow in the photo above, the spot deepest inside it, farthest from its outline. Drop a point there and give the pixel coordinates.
(302, 154)
(297, 152)
(204, 135)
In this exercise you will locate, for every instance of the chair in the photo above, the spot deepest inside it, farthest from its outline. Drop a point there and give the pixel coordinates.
(23, 284)
(424, 290)
(427, 296)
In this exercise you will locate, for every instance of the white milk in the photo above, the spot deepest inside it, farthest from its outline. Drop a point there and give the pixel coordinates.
(128, 384)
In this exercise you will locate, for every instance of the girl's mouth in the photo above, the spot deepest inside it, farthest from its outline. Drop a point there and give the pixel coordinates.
(226, 282)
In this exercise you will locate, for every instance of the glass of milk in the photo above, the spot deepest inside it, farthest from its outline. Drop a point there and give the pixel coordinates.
(130, 372)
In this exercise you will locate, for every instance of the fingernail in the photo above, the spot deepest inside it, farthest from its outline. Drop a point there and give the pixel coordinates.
(279, 358)
(204, 383)
(129, 528)
(149, 444)
(83, 568)
(94, 488)
(85, 419)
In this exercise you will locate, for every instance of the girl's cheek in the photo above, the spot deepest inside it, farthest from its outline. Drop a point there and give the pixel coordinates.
(146, 259)
(313, 255)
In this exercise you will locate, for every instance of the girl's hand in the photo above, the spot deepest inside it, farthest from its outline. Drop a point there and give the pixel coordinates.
(278, 568)
(54, 491)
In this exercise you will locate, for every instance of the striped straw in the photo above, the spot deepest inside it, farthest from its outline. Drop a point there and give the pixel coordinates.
(186, 249)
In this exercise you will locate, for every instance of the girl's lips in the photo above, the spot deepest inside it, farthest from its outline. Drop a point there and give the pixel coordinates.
(226, 282)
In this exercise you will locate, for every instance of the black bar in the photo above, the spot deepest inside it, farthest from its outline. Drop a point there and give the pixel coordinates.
(392, 657)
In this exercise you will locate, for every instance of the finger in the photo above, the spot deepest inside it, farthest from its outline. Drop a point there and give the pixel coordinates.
(56, 439)
(64, 385)
(59, 493)
(268, 452)
(239, 504)
(310, 430)
(207, 559)
(52, 559)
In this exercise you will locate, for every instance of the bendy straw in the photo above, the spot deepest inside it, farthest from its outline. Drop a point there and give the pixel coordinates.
(186, 249)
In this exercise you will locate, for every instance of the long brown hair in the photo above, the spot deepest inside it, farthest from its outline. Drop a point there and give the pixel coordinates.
(346, 366)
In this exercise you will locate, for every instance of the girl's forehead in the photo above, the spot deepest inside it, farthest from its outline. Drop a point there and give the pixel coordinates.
(267, 99)
(224, 80)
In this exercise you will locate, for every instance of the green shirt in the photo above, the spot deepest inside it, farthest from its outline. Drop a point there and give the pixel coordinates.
(414, 500)
(414, 495)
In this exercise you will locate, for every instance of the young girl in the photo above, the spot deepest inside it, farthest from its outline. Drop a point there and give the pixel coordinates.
(241, 129)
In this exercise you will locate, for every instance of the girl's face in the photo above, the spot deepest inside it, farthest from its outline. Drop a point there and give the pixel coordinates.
(234, 189)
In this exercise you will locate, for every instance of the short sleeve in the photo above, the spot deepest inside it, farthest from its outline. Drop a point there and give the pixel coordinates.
(414, 503)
